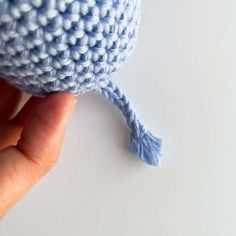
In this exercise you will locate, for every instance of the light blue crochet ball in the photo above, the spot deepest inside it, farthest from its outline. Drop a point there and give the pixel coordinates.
(73, 46)
(65, 45)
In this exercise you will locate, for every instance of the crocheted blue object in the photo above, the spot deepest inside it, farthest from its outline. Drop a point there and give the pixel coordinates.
(73, 46)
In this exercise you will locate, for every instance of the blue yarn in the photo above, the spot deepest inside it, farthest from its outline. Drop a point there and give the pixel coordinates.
(146, 146)
(73, 46)
(65, 45)
(142, 143)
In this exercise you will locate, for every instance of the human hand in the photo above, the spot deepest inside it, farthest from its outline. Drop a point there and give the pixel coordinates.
(30, 142)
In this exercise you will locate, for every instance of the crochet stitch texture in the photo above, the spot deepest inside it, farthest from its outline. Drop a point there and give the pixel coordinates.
(73, 46)
(65, 45)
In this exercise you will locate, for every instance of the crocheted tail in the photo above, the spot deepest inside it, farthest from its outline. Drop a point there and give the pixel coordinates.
(142, 143)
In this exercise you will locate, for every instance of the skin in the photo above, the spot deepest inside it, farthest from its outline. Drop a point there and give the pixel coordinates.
(30, 141)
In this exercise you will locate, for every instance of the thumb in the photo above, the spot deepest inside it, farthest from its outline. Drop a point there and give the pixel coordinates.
(37, 149)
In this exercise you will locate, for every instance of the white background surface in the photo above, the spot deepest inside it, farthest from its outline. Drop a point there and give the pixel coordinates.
(181, 80)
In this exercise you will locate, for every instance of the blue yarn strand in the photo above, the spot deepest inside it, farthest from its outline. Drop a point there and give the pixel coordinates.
(143, 143)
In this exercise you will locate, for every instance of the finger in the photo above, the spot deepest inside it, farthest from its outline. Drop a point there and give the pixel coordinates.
(10, 131)
(24, 114)
(36, 151)
(9, 100)
(41, 138)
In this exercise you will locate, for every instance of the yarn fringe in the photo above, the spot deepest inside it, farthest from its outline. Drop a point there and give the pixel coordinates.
(146, 147)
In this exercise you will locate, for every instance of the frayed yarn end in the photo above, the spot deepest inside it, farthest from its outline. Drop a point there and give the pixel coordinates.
(146, 147)
(143, 144)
